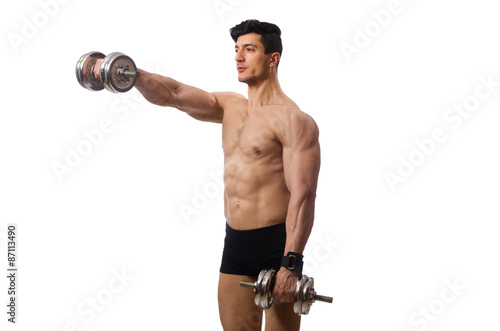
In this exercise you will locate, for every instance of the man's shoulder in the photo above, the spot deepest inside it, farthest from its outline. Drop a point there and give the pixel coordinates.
(293, 112)
(224, 97)
(291, 117)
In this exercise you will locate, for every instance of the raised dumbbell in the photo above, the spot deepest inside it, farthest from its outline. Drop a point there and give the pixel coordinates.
(305, 295)
(117, 72)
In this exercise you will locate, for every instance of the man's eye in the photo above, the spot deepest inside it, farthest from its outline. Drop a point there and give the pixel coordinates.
(249, 49)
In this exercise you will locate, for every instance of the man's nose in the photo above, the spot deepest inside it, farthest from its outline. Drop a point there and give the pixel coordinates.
(239, 57)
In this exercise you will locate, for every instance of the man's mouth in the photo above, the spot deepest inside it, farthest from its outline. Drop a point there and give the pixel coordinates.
(241, 68)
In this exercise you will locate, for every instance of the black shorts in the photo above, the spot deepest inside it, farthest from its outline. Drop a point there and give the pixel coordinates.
(247, 252)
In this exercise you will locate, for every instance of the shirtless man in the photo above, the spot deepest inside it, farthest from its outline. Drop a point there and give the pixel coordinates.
(271, 166)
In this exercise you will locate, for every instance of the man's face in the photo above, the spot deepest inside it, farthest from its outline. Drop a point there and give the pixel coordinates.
(251, 62)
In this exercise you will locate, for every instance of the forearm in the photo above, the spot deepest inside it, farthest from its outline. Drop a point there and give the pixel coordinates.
(299, 222)
(165, 91)
(157, 89)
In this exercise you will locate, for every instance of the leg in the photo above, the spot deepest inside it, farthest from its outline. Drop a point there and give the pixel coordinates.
(282, 318)
(237, 308)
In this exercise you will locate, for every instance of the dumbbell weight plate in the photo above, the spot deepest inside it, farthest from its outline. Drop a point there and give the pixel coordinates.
(297, 306)
(266, 298)
(307, 292)
(258, 286)
(84, 73)
(110, 68)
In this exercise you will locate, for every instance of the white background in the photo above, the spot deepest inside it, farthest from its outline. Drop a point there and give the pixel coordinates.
(386, 256)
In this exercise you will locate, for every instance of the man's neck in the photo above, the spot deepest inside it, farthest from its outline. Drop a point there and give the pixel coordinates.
(265, 92)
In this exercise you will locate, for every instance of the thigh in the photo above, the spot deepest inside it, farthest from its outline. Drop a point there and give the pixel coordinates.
(237, 308)
(282, 318)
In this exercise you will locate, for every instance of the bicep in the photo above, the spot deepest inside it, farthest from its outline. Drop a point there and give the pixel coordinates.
(301, 157)
(197, 103)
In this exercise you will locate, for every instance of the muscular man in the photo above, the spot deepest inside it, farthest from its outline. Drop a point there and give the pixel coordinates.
(271, 166)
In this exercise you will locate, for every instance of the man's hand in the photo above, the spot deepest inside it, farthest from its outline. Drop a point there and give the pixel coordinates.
(284, 288)
(97, 68)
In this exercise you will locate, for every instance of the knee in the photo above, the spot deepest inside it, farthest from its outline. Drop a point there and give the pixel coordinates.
(251, 322)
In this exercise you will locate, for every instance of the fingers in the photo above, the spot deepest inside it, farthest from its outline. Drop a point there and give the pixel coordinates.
(97, 67)
(284, 288)
(284, 296)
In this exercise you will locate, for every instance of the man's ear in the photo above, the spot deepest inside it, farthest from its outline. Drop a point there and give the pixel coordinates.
(274, 59)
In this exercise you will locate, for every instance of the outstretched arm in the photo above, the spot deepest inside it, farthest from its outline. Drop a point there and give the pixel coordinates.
(165, 91)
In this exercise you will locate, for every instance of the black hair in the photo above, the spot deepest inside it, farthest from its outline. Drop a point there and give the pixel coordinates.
(270, 34)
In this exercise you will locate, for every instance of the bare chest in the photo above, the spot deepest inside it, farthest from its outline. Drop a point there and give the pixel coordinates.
(251, 136)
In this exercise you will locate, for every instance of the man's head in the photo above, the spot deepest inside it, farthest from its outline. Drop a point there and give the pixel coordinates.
(258, 49)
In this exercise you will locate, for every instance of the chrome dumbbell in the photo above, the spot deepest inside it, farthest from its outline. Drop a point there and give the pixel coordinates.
(117, 72)
(305, 295)
(263, 288)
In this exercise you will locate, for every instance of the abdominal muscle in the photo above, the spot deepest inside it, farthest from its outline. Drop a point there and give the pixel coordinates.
(256, 195)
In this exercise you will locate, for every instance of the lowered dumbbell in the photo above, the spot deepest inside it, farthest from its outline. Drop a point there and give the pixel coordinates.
(263, 288)
(305, 295)
(116, 72)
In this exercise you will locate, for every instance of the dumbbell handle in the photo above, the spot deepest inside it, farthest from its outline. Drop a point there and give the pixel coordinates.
(314, 296)
(121, 72)
(322, 298)
(246, 284)
(128, 73)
